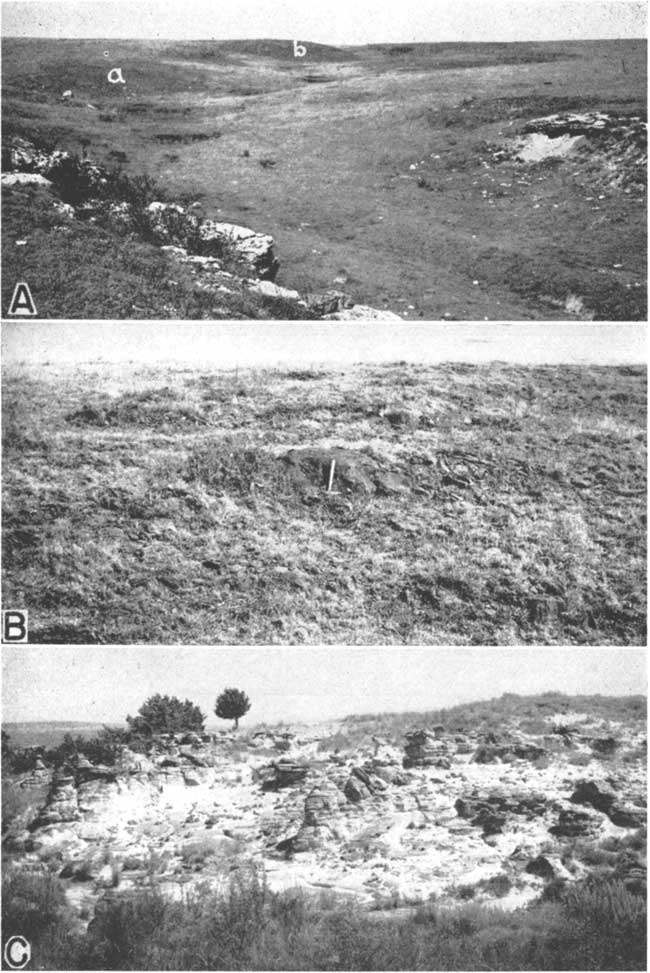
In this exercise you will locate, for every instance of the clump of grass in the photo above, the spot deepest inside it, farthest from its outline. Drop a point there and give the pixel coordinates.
(153, 407)
(250, 928)
(34, 906)
(497, 886)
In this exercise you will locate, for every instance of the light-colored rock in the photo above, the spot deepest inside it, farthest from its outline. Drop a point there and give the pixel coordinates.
(326, 303)
(361, 312)
(65, 210)
(424, 748)
(358, 824)
(229, 239)
(25, 179)
(269, 289)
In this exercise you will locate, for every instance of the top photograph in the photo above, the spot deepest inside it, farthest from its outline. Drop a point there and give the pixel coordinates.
(411, 161)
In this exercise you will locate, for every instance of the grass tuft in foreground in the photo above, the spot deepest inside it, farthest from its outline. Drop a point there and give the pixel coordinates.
(589, 927)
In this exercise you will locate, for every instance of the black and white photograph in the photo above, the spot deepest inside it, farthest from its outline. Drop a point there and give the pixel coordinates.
(324, 809)
(445, 484)
(323, 485)
(462, 160)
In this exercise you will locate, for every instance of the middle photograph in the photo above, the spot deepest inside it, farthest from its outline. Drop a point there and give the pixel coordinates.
(443, 485)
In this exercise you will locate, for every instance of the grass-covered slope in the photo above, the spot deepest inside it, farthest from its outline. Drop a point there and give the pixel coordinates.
(526, 713)
(386, 167)
(470, 504)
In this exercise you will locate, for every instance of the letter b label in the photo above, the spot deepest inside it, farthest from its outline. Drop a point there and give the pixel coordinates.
(299, 50)
(14, 626)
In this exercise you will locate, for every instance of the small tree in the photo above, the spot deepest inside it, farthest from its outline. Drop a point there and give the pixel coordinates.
(232, 704)
(166, 714)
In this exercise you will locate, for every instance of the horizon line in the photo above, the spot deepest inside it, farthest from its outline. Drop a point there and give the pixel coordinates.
(357, 715)
(303, 40)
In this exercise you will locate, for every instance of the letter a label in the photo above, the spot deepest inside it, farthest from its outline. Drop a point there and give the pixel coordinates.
(22, 304)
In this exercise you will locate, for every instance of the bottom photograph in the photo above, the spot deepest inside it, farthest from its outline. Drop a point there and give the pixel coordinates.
(323, 809)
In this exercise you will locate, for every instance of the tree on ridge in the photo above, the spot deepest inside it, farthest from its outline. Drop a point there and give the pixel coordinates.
(232, 704)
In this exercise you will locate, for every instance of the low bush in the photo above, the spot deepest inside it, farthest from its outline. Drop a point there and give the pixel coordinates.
(34, 906)
(248, 927)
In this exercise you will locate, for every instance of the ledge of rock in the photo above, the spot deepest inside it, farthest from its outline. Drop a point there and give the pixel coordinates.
(222, 257)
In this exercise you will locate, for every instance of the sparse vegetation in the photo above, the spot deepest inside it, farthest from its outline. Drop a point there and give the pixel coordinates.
(486, 717)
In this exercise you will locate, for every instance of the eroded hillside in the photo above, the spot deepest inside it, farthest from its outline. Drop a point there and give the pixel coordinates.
(441, 812)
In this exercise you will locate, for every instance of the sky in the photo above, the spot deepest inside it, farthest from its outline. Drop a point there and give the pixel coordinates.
(262, 344)
(104, 683)
(330, 21)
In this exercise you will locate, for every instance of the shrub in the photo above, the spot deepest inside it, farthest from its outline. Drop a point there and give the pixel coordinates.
(248, 927)
(166, 714)
(497, 885)
(34, 906)
(601, 905)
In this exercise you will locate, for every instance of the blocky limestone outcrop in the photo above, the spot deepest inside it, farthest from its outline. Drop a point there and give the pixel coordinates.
(222, 257)
(425, 748)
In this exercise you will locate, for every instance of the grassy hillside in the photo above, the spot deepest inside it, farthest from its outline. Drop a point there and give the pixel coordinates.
(469, 505)
(486, 716)
(376, 166)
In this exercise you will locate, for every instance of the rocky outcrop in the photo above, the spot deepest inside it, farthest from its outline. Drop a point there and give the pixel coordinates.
(62, 802)
(606, 745)
(21, 155)
(595, 795)
(425, 749)
(25, 179)
(350, 819)
(171, 224)
(541, 866)
(602, 799)
(574, 824)
(490, 811)
(489, 753)
(463, 744)
(321, 808)
(362, 784)
(284, 773)
(277, 741)
(614, 146)
(321, 804)
(361, 312)
(222, 257)
(626, 816)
